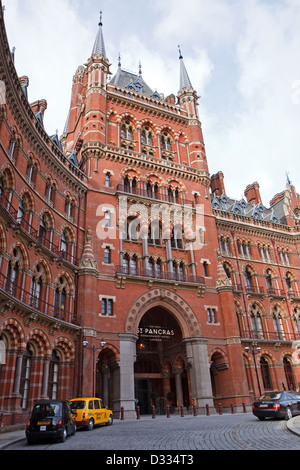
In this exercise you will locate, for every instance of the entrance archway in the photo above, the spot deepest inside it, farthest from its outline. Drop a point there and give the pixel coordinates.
(160, 371)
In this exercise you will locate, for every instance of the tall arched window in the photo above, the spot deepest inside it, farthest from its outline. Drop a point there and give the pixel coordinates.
(278, 323)
(289, 375)
(256, 322)
(25, 378)
(36, 288)
(265, 373)
(53, 376)
(60, 301)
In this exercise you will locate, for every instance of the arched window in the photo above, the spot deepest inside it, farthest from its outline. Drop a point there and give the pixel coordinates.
(256, 322)
(248, 279)
(36, 288)
(278, 323)
(289, 375)
(25, 378)
(269, 281)
(13, 273)
(31, 172)
(53, 376)
(107, 255)
(60, 300)
(126, 264)
(133, 265)
(177, 236)
(107, 179)
(63, 244)
(265, 373)
(21, 212)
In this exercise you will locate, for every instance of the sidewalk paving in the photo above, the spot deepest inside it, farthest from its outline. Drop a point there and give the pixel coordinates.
(8, 438)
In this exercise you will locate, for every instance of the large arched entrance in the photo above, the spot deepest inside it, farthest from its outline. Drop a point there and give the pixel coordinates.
(160, 371)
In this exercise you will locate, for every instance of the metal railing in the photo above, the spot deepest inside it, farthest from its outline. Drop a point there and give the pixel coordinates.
(161, 275)
(36, 303)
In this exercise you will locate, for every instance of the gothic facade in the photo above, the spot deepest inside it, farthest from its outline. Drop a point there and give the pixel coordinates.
(126, 270)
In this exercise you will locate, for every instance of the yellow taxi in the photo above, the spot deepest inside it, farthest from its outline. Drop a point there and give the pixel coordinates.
(90, 411)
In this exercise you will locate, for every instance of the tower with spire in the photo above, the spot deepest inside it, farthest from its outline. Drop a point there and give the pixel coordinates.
(141, 152)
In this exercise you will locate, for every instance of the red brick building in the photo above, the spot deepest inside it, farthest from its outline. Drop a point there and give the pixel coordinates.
(117, 232)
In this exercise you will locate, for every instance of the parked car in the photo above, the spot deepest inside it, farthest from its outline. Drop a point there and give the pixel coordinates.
(50, 419)
(284, 404)
(89, 412)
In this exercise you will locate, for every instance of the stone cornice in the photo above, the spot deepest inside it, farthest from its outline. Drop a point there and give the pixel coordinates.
(255, 227)
(124, 156)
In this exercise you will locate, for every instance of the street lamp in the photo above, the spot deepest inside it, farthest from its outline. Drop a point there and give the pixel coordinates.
(102, 345)
(254, 349)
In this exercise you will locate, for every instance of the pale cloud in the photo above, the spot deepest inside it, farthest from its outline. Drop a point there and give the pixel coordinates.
(241, 56)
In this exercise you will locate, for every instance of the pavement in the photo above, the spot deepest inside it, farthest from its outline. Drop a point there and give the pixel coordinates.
(10, 437)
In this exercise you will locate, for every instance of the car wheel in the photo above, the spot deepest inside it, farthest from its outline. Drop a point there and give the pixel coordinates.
(261, 418)
(90, 425)
(110, 421)
(74, 430)
(64, 435)
(288, 413)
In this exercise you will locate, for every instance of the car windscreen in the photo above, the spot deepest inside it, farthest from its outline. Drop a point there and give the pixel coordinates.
(270, 396)
(49, 409)
(77, 405)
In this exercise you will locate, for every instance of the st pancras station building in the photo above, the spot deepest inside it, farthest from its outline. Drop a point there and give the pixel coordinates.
(126, 270)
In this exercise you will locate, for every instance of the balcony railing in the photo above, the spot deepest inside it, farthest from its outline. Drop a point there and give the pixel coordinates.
(254, 290)
(158, 196)
(161, 275)
(269, 335)
(276, 292)
(36, 303)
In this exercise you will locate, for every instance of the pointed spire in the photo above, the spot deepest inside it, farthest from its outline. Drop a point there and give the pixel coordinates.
(99, 47)
(184, 78)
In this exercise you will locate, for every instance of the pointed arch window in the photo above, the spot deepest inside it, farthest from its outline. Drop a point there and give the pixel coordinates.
(265, 373)
(36, 288)
(256, 322)
(289, 375)
(53, 376)
(278, 323)
(25, 378)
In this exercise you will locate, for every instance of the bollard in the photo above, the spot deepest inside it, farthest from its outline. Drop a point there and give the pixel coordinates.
(194, 411)
(153, 412)
(232, 409)
(244, 408)
(138, 412)
(220, 409)
(122, 413)
(168, 411)
(207, 410)
(181, 411)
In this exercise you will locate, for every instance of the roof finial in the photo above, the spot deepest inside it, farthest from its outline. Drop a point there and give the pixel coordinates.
(119, 58)
(100, 23)
(180, 55)
(140, 68)
(288, 178)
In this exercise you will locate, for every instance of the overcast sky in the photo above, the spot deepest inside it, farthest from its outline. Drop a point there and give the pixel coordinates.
(242, 56)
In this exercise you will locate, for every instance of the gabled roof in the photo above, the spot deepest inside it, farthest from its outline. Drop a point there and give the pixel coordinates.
(133, 82)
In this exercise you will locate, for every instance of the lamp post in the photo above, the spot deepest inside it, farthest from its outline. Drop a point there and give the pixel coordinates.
(254, 349)
(94, 349)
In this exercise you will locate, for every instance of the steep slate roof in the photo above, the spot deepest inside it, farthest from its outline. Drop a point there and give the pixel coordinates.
(99, 47)
(242, 207)
(134, 82)
(185, 81)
